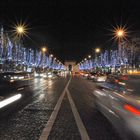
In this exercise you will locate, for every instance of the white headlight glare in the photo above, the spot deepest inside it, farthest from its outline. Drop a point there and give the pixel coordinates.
(36, 74)
(41, 75)
(49, 76)
(10, 100)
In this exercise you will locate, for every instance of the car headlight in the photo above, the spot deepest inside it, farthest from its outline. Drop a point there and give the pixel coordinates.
(41, 74)
(50, 76)
(44, 76)
(49, 73)
(36, 74)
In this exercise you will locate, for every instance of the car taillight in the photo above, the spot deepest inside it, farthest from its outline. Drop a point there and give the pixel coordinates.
(124, 78)
(132, 109)
(116, 81)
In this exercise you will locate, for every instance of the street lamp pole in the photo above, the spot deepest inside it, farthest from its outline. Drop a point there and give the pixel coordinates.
(20, 30)
(97, 51)
(44, 50)
(89, 57)
(120, 34)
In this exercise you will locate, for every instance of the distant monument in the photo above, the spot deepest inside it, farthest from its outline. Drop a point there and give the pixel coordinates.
(71, 66)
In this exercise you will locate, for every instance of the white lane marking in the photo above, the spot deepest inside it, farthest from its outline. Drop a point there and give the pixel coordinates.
(49, 125)
(80, 125)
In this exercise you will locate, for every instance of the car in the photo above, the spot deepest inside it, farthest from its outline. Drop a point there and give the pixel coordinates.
(82, 73)
(85, 74)
(39, 74)
(99, 77)
(91, 76)
(49, 75)
(77, 74)
(119, 100)
(14, 79)
(119, 75)
(13, 90)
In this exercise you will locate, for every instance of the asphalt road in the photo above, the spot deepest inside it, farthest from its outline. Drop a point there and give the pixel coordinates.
(51, 110)
(134, 83)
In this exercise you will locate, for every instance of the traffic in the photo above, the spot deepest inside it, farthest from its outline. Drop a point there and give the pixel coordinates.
(117, 97)
(15, 87)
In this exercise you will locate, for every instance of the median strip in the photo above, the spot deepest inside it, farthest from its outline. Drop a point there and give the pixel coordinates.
(80, 125)
(49, 125)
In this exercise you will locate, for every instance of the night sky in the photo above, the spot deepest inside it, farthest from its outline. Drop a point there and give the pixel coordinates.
(71, 29)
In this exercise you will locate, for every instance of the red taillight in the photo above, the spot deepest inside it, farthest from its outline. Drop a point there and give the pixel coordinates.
(124, 78)
(132, 109)
(116, 81)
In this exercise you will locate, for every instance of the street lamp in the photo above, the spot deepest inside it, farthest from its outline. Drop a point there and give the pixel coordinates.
(120, 34)
(44, 49)
(89, 56)
(20, 29)
(97, 50)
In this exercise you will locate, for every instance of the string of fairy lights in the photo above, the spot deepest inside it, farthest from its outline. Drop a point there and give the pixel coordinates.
(13, 52)
(121, 56)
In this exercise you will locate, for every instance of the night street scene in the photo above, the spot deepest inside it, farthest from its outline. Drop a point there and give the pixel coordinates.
(69, 70)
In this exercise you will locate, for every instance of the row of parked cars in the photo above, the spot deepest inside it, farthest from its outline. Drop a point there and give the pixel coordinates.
(13, 84)
(12, 80)
(44, 74)
(117, 97)
(95, 76)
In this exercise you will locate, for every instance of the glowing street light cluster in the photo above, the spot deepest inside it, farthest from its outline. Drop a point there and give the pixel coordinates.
(100, 60)
(44, 49)
(120, 33)
(18, 55)
(20, 30)
(97, 50)
(111, 59)
(89, 56)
